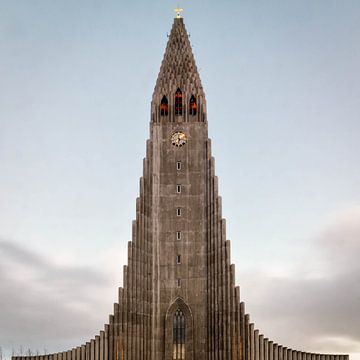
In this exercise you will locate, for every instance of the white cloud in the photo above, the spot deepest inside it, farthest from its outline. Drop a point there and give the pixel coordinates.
(317, 308)
(44, 304)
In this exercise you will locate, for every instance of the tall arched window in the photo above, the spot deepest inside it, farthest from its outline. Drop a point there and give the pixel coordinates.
(178, 102)
(164, 106)
(192, 106)
(179, 336)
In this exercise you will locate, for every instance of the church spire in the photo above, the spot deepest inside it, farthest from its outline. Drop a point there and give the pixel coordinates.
(178, 71)
(178, 68)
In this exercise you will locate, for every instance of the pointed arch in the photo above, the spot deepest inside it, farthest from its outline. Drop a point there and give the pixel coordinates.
(178, 102)
(179, 331)
(192, 105)
(164, 106)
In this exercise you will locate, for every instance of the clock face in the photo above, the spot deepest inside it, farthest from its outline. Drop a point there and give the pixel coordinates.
(178, 138)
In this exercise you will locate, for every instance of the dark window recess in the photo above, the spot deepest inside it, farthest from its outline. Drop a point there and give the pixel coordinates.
(164, 106)
(178, 189)
(178, 102)
(178, 212)
(178, 235)
(179, 335)
(178, 259)
(192, 106)
(178, 282)
(178, 165)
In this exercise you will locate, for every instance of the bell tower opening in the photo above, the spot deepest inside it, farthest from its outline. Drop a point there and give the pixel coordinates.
(164, 106)
(178, 102)
(192, 107)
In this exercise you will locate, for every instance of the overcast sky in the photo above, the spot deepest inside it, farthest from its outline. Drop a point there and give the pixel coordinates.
(282, 82)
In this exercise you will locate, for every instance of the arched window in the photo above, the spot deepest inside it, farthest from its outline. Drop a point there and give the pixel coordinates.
(164, 106)
(179, 336)
(192, 106)
(178, 102)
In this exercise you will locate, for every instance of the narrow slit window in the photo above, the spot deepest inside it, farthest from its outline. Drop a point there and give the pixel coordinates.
(178, 102)
(178, 282)
(179, 335)
(164, 106)
(178, 189)
(192, 106)
(178, 235)
(178, 165)
(178, 259)
(178, 212)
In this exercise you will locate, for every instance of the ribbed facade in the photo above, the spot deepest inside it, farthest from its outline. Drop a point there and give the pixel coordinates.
(179, 299)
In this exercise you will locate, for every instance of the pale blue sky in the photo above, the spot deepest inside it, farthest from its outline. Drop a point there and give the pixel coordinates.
(282, 82)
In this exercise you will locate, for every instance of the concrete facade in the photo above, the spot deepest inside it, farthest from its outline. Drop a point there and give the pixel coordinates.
(179, 257)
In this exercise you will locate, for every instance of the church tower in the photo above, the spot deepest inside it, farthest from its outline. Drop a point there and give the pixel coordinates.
(193, 281)
(177, 156)
(179, 300)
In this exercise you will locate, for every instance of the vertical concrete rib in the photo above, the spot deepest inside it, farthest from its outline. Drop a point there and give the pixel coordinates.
(252, 342)
(116, 326)
(102, 345)
(285, 352)
(215, 334)
(210, 252)
(256, 344)
(266, 349)
(97, 347)
(82, 352)
(92, 349)
(242, 330)
(247, 337)
(271, 350)
(106, 342)
(261, 347)
(111, 338)
(87, 352)
(280, 352)
(276, 351)
(215, 266)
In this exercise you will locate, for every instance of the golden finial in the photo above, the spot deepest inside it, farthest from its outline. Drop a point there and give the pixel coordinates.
(178, 11)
